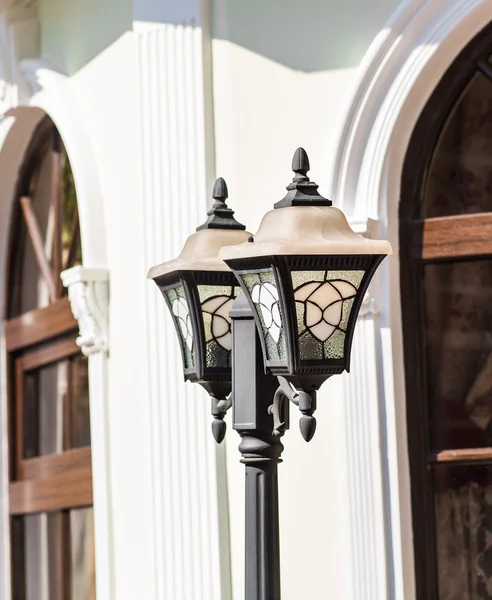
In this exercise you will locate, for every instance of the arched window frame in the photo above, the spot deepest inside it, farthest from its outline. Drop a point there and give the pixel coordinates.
(427, 241)
(58, 481)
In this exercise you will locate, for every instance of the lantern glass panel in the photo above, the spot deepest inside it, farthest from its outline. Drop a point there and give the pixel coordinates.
(180, 311)
(263, 291)
(216, 302)
(324, 301)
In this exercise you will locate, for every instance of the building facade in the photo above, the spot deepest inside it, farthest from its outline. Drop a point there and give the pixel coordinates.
(116, 118)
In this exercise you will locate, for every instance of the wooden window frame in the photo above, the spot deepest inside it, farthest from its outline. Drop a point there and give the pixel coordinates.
(34, 339)
(427, 241)
(52, 481)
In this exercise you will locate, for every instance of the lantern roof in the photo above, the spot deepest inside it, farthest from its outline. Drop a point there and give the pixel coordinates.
(201, 249)
(304, 223)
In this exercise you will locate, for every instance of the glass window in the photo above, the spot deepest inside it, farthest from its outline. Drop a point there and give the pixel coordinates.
(56, 407)
(460, 174)
(47, 235)
(52, 529)
(55, 556)
(463, 504)
(447, 330)
(458, 297)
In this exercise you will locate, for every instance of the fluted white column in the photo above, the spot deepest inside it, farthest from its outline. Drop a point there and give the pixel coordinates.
(191, 560)
(365, 511)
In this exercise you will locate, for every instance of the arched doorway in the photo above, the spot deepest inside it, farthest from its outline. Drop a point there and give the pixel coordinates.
(446, 300)
(50, 491)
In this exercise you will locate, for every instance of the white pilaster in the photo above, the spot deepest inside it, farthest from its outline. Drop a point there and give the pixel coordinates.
(364, 514)
(88, 292)
(191, 561)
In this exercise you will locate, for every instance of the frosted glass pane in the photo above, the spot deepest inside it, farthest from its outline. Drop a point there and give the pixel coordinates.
(181, 314)
(216, 302)
(264, 294)
(324, 300)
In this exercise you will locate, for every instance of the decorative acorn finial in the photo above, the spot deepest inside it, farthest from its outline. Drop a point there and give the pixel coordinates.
(300, 162)
(307, 406)
(302, 191)
(219, 409)
(219, 429)
(220, 191)
(220, 216)
(307, 425)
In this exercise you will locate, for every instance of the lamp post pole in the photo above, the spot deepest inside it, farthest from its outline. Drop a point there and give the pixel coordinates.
(261, 448)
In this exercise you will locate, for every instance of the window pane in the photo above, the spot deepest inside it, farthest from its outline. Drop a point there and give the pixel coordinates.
(53, 384)
(71, 249)
(17, 557)
(32, 289)
(56, 407)
(463, 503)
(460, 174)
(43, 555)
(30, 416)
(45, 392)
(80, 429)
(53, 556)
(82, 554)
(458, 297)
(47, 161)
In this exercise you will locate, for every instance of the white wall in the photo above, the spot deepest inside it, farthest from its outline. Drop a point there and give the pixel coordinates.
(256, 135)
(283, 77)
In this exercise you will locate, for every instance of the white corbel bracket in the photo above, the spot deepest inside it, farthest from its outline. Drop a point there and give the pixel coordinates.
(368, 307)
(88, 292)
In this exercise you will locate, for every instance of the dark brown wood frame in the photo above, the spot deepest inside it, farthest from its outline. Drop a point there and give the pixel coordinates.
(423, 241)
(55, 482)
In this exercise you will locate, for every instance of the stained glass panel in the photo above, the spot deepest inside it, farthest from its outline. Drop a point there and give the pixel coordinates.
(216, 302)
(324, 301)
(263, 291)
(181, 314)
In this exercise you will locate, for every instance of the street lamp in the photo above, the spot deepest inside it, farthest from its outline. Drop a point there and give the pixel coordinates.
(304, 276)
(199, 290)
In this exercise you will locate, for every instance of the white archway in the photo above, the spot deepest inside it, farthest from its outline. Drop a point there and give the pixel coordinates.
(397, 76)
(52, 94)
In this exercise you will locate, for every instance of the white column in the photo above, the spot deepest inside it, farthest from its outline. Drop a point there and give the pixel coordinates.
(366, 559)
(88, 292)
(190, 540)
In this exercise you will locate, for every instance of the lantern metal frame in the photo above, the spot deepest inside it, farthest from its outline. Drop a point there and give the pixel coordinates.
(305, 374)
(216, 380)
(208, 271)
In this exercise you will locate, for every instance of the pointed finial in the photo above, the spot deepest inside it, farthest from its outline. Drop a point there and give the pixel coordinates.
(300, 162)
(302, 191)
(220, 191)
(220, 216)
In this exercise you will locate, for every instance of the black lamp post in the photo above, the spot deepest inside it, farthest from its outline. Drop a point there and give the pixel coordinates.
(304, 276)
